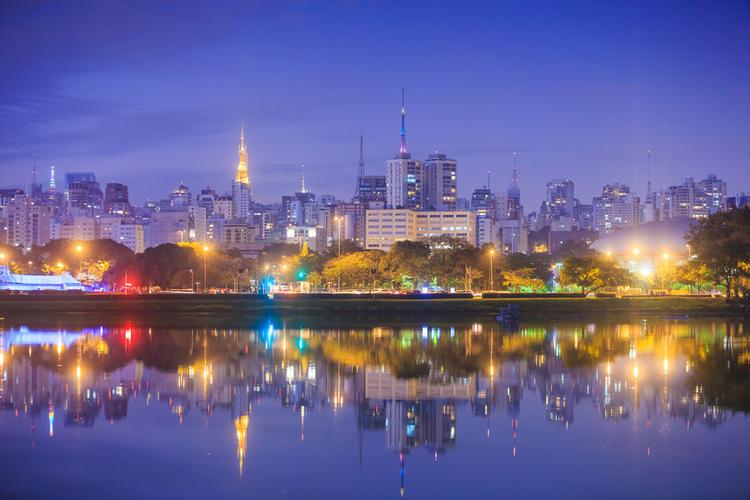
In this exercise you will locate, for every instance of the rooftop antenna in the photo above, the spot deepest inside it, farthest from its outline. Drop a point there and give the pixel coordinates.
(303, 179)
(515, 168)
(402, 149)
(648, 187)
(361, 166)
(33, 171)
(488, 181)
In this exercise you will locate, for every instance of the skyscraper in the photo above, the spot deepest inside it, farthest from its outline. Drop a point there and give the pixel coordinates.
(116, 199)
(560, 198)
(241, 191)
(616, 208)
(403, 174)
(440, 183)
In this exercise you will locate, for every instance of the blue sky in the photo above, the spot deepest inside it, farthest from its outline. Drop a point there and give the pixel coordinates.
(153, 93)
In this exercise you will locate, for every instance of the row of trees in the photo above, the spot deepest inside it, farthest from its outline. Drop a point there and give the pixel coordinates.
(720, 247)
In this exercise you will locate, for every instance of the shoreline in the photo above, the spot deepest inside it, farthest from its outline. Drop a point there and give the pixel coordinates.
(235, 308)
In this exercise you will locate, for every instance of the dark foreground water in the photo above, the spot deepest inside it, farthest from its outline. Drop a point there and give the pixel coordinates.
(615, 409)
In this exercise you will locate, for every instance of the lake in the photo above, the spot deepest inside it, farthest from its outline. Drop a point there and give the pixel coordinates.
(629, 408)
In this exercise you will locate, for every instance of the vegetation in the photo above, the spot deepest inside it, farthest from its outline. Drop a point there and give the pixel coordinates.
(592, 272)
(721, 244)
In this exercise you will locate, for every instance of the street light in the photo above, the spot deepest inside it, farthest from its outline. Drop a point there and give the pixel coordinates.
(492, 254)
(3, 257)
(665, 256)
(636, 251)
(338, 239)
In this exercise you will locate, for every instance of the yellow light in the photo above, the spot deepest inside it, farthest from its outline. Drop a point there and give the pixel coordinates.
(78, 371)
(2, 358)
(609, 253)
(665, 365)
(205, 248)
(635, 371)
(79, 248)
(60, 265)
(636, 251)
(665, 256)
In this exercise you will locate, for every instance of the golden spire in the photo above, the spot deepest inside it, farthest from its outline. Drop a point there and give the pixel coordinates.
(241, 176)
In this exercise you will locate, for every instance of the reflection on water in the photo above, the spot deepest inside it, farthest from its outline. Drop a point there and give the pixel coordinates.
(413, 386)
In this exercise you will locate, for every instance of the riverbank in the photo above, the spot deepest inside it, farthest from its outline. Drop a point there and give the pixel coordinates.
(186, 307)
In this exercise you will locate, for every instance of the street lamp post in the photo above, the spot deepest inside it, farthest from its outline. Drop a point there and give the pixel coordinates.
(338, 240)
(205, 268)
(192, 280)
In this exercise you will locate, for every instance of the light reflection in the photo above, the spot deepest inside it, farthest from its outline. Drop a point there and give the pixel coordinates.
(413, 392)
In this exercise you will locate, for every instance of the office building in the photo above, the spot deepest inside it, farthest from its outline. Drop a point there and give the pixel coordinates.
(386, 227)
(116, 201)
(616, 208)
(440, 183)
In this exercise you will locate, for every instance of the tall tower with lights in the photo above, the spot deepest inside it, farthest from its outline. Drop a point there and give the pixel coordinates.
(404, 174)
(241, 192)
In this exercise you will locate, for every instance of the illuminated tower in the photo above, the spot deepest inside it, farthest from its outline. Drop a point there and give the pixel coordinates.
(241, 193)
(52, 186)
(241, 176)
(402, 149)
(403, 174)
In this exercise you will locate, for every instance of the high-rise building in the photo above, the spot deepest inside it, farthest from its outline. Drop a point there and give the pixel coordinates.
(241, 189)
(560, 198)
(28, 222)
(514, 207)
(616, 208)
(404, 176)
(74, 227)
(116, 201)
(440, 182)
(83, 192)
(206, 199)
(694, 200)
(180, 197)
(483, 203)
(371, 191)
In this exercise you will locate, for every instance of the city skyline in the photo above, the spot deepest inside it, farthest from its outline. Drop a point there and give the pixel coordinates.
(126, 123)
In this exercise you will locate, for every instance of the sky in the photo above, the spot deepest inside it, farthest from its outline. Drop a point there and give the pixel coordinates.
(153, 94)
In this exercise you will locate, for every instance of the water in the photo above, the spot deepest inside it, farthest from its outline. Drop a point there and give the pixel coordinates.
(615, 409)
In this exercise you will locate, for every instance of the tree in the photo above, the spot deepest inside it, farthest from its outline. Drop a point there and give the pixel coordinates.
(591, 273)
(355, 269)
(722, 243)
(522, 280)
(407, 259)
(692, 273)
